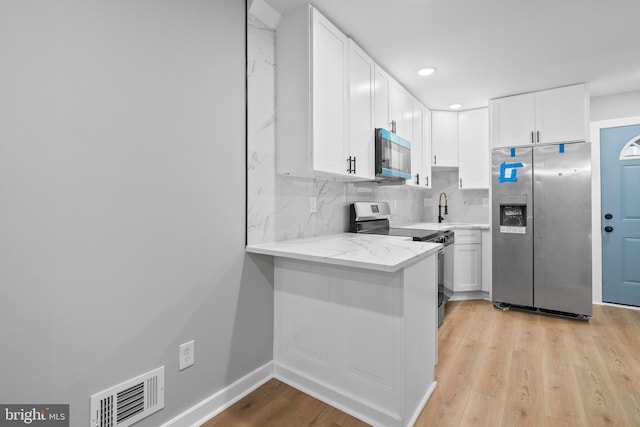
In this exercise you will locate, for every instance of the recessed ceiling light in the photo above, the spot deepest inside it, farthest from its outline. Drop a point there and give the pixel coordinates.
(455, 106)
(424, 72)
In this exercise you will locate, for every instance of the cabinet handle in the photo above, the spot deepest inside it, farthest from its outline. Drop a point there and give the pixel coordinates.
(460, 182)
(435, 160)
(532, 141)
(538, 136)
(354, 164)
(417, 179)
(427, 184)
(349, 169)
(393, 126)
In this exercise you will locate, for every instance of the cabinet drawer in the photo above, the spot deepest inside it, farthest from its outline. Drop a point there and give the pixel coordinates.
(465, 237)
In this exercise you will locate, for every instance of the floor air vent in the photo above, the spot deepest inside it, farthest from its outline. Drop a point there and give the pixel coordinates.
(129, 402)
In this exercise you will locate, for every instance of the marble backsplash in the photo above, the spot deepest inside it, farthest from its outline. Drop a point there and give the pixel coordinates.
(278, 207)
(463, 205)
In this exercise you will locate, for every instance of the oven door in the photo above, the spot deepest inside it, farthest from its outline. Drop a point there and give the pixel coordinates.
(393, 156)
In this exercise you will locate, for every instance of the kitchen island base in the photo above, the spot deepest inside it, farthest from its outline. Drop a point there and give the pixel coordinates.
(360, 340)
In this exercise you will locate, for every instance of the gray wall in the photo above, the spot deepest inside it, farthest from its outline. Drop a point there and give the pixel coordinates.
(122, 201)
(615, 106)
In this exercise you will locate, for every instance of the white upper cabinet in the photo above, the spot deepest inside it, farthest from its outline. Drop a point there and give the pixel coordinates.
(444, 138)
(562, 114)
(392, 103)
(473, 149)
(513, 120)
(417, 143)
(400, 111)
(426, 149)
(549, 116)
(361, 126)
(312, 83)
(420, 147)
(382, 83)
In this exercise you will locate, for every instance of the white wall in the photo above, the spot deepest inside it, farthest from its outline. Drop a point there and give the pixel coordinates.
(278, 206)
(620, 109)
(615, 106)
(122, 201)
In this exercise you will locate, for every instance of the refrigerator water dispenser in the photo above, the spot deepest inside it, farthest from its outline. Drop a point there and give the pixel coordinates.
(513, 215)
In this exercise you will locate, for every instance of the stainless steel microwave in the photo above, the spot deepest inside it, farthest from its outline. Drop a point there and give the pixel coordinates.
(393, 156)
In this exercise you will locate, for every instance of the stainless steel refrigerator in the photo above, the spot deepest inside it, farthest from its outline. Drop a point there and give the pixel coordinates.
(541, 228)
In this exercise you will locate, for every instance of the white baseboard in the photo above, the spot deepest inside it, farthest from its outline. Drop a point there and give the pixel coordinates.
(351, 405)
(610, 304)
(469, 295)
(223, 399)
(422, 404)
(218, 402)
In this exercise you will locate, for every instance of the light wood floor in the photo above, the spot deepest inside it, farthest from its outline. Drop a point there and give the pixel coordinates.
(499, 369)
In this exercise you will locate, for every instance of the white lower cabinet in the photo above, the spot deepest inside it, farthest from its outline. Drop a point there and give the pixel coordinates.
(362, 340)
(467, 261)
(487, 259)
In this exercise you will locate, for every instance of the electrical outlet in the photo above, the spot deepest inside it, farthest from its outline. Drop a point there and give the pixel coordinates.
(313, 205)
(186, 355)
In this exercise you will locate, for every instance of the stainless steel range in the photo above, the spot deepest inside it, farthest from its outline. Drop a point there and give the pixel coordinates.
(373, 218)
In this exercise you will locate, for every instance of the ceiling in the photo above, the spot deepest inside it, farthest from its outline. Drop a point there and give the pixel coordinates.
(484, 49)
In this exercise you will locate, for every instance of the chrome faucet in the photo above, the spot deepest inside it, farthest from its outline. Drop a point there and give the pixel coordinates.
(446, 212)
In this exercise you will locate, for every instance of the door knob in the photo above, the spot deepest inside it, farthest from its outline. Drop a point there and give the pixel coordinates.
(608, 216)
(608, 229)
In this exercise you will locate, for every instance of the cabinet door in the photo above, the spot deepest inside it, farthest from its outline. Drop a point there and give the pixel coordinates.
(329, 85)
(473, 148)
(382, 83)
(444, 138)
(487, 258)
(561, 114)
(513, 120)
(426, 149)
(417, 144)
(467, 264)
(400, 110)
(361, 128)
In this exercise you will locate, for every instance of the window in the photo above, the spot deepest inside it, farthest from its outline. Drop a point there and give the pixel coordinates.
(631, 150)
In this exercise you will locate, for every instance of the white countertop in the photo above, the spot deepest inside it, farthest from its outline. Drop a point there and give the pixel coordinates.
(446, 226)
(368, 251)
